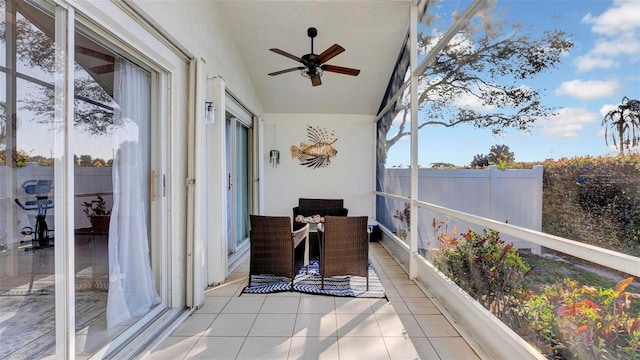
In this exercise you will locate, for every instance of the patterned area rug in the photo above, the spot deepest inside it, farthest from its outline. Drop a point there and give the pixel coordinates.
(350, 286)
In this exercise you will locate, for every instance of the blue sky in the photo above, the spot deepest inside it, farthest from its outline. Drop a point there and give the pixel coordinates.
(601, 68)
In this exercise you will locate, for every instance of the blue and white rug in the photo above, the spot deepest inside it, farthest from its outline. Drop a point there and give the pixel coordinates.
(350, 286)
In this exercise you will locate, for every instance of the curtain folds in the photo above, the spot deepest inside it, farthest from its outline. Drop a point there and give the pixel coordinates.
(132, 290)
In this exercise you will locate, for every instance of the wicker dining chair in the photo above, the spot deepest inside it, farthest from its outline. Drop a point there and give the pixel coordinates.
(272, 247)
(345, 247)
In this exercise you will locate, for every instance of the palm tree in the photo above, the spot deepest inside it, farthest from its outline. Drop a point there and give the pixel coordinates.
(624, 123)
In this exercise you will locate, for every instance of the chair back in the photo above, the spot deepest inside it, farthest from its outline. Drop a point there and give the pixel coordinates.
(345, 249)
(271, 246)
(322, 207)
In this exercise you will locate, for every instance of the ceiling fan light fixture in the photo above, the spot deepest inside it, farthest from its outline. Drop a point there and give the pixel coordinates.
(308, 73)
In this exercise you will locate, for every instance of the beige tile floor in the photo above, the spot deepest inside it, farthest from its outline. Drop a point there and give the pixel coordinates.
(301, 326)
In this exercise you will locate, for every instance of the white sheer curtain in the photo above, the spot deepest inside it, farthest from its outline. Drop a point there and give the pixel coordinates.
(132, 290)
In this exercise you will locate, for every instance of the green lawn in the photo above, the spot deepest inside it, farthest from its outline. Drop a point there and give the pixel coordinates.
(551, 267)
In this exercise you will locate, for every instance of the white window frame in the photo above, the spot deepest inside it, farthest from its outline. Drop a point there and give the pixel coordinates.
(169, 70)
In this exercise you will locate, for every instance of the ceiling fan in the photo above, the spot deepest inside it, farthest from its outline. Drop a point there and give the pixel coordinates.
(314, 65)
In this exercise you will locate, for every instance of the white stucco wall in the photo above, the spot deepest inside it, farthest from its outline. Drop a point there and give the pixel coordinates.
(199, 28)
(350, 176)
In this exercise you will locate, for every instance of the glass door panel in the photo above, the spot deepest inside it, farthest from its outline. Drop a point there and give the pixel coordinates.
(242, 184)
(27, 236)
(111, 239)
(93, 139)
(238, 189)
(112, 187)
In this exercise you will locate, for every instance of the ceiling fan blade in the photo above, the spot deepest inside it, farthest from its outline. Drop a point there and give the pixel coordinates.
(340, 70)
(315, 81)
(290, 56)
(328, 54)
(286, 70)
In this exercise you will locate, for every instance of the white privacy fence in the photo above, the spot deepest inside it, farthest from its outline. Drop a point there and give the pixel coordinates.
(509, 196)
(89, 183)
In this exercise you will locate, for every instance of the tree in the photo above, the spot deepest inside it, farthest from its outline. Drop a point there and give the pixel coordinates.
(624, 122)
(35, 49)
(93, 104)
(479, 161)
(86, 161)
(500, 155)
(488, 62)
(442, 165)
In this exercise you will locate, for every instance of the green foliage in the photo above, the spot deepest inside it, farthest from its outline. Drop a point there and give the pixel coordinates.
(583, 322)
(564, 320)
(501, 156)
(483, 265)
(594, 201)
(479, 161)
(551, 266)
(489, 63)
(22, 158)
(404, 217)
(442, 165)
(93, 102)
(97, 207)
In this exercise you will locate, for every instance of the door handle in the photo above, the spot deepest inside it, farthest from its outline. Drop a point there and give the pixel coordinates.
(229, 183)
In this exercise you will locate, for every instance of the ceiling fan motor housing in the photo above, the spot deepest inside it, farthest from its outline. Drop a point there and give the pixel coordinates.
(309, 58)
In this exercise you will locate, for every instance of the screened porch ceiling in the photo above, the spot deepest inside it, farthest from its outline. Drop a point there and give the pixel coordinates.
(371, 31)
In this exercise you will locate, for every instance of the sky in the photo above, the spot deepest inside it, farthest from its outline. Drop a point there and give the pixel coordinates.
(602, 67)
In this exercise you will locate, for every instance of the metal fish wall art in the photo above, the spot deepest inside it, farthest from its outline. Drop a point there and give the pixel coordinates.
(318, 151)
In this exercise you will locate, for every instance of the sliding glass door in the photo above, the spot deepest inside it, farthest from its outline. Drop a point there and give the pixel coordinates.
(107, 254)
(239, 186)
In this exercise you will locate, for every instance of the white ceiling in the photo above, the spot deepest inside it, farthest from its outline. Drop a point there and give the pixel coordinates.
(371, 31)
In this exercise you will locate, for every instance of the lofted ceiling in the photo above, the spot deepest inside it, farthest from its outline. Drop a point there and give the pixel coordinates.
(371, 31)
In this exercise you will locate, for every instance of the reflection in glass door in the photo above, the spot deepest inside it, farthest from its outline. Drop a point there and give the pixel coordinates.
(110, 240)
(27, 237)
(114, 281)
(238, 186)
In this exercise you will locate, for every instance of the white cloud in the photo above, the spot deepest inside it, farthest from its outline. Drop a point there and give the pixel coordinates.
(612, 150)
(627, 44)
(568, 123)
(590, 62)
(623, 16)
(472, 103)
(460, 43)
(619, 28)
(400, 117)
(587, 90)
(606, 108)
